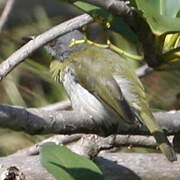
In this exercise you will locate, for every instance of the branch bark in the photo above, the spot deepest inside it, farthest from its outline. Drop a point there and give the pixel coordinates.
(137, 166)
(120, 8)
(38, 121)
(91, 145)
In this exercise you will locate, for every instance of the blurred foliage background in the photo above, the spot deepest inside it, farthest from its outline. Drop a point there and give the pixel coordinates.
(30, 84)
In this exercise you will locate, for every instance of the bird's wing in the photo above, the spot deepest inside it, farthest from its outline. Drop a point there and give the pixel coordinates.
(103, 86)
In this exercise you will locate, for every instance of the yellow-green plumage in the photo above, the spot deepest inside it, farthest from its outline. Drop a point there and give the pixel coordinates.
(100, 82)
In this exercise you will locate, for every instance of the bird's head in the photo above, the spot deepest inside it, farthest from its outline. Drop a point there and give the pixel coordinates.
(60, 47)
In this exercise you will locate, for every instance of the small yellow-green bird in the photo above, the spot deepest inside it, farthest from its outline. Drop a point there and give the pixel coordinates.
(100, 83)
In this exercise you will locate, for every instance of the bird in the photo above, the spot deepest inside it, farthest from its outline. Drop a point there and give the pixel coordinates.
(101, 83)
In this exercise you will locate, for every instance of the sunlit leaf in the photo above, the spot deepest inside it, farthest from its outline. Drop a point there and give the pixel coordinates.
(85, 6)
(154, 12)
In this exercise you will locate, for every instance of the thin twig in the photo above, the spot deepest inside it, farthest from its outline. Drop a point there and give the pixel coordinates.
(57, 139)
(63, 105)
(6, 12)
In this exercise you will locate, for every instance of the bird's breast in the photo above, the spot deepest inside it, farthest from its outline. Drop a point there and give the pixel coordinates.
(83, 100)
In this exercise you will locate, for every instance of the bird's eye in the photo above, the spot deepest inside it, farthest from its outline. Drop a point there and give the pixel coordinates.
(51, 43)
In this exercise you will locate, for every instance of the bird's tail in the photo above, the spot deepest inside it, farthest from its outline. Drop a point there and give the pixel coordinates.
(159, 135)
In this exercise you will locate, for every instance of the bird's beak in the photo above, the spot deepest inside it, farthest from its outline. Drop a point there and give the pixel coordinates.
(28, 38)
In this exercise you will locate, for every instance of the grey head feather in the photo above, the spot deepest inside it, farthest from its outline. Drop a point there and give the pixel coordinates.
(60, 47)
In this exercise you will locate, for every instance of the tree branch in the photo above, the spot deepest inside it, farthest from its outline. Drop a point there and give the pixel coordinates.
(117, 7)
(38, 121)
(6, 12)
(57, 139)
(95, 143)
(59, 106)
(17, 57)
(114, 165)
(137, 166)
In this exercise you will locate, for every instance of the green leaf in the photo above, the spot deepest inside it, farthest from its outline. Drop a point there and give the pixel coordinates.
(166, 7)
(96, 12)
(172, 7)
(178, 95)
(120, 26)
(85, 6)
(82, 5)
(156, 13)
(63, 164)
